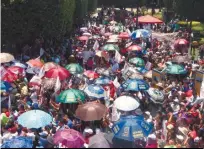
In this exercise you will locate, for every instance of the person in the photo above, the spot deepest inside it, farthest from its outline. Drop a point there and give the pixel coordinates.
(89, 64)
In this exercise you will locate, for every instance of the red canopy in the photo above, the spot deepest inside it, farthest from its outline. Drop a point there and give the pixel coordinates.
(149, 19)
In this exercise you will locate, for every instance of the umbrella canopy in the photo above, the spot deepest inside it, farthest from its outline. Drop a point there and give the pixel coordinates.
(104, 71)
(83, 29)
(91, 111)
(49, 65)
(60, 72)
(141, 33)
(102, 81)
(101, 140)
(170, 146)
(18, 142)
(83, 38)
(131, 128)
(69, 138)
(108, 34)
(95, 91)
(19, 65)
(126, 103)
(71, 96)
(5, 86)
(156, 95)
(137, 61)
(6, 57)
(148, 74)
(134, 48)
(149, 20)
(91, 74)
(35, 63)
(48, 83)
(113, 22)
(109, 41)
(180, 59)
(135, 85)
(124, 35)
(34, 119)
(103, 54)
(10, 77)
(4, 119)
(16, 70)
(181, 42)
(111, 47)
(87, 34)
(35, 81)
(74, 68)
(175, 69)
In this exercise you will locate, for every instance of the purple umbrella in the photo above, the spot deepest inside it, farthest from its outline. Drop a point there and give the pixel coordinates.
(69, 138)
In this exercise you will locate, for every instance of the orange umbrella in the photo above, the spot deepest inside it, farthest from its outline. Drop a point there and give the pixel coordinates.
(49, 65)
(149, 19)
(35, 63)
(134, 48)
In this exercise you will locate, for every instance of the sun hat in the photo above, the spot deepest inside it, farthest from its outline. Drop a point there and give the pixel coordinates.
(88, 131)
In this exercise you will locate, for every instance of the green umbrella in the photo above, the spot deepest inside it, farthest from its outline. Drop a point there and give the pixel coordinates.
(111, 47)
(71, 96)
(137, 61)
(175, 69)
(170, 146)
(74, 68)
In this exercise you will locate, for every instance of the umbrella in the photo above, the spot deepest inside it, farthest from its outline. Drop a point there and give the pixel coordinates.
(91, 111)
(35, 63)
(126, 103)
(83, 38)
(95, 91)
(110, 47)
(131, 128)
(135, 85)
(148, 74)
(157, 96)
(124, 35)
(113, 37)
(149, 20)
(112, 41)
(101, 140)
(170, 146)
(91, 74)
(74, 68)
(71, 96)
(35, 81)
(113, 22)
(19, 65)
(87, 34)
(134, 48)
(175, 69)
(6, 57)
(108, 34)
(69, 138)
(5, 86)
(48, 83)
(181, 42)
(96, 37)
(141, 33)
(16, 70)
(4, 119)
(102, 81)
(137, 61)
(83, 29)
(60, 72)
(103, 54)
(10, 77)
(104, 71)
(49, 65)
(180, 59)
(34, 119)
(18, 142)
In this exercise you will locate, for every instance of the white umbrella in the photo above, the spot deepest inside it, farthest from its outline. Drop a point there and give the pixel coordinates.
(83, 29)
(156, 95)
(112, 41)
(6, 57)
(19, 65)
(126, 103)
(87, 34)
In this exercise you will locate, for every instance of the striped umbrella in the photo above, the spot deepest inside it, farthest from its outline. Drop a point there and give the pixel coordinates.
(95, 91)
(102, 81)
(74, 68)
(111, 47)
(137, 61)
(135, 85)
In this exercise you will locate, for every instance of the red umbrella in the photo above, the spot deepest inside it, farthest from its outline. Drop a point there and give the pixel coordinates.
(60, 72)
(134, 48)
(83, 38)
(149, 19)
(35, 63)
(124, 35)
(91, 74)
(16, 70)
(181, 42)
(10, 77)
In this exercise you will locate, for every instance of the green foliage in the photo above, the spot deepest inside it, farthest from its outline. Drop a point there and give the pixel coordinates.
(92, 5)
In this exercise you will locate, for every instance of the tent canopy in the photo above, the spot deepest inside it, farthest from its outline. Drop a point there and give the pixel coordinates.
(149, 19)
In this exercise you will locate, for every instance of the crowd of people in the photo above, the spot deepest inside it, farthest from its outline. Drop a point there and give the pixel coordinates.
(101, 84)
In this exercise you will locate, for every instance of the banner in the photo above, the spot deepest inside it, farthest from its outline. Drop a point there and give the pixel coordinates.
(157, 77)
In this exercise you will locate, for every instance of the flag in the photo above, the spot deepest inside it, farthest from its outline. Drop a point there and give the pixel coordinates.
(148, 65)
(42, 72)
(57, 85)
(96, 46)
(116, 83)
(103, 31)
(42, 51)
(118, 57)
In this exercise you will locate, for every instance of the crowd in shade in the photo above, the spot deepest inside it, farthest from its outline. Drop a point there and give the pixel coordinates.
(113, 84)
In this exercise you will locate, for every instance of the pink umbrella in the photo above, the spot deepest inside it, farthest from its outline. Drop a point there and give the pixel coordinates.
(124, 35)
(83, 38)
(16, 70)
(134, 48)
(60, 72)
(49, 65)
(69, 138)
(108, 34)
(181, 42)
(91, 74)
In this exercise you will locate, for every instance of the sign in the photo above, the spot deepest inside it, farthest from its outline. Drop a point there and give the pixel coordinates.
(199, 78)
(157, 77)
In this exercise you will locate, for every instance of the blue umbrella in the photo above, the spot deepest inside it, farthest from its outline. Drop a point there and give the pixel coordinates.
(140, 33)
(102, 81)
(131, 128)
(142, 70)
(135, 85)
(95, 91)
(5, 86)
(34, 119)
(18, 142)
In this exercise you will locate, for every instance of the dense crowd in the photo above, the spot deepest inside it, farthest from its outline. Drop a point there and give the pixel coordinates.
(98, 88)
